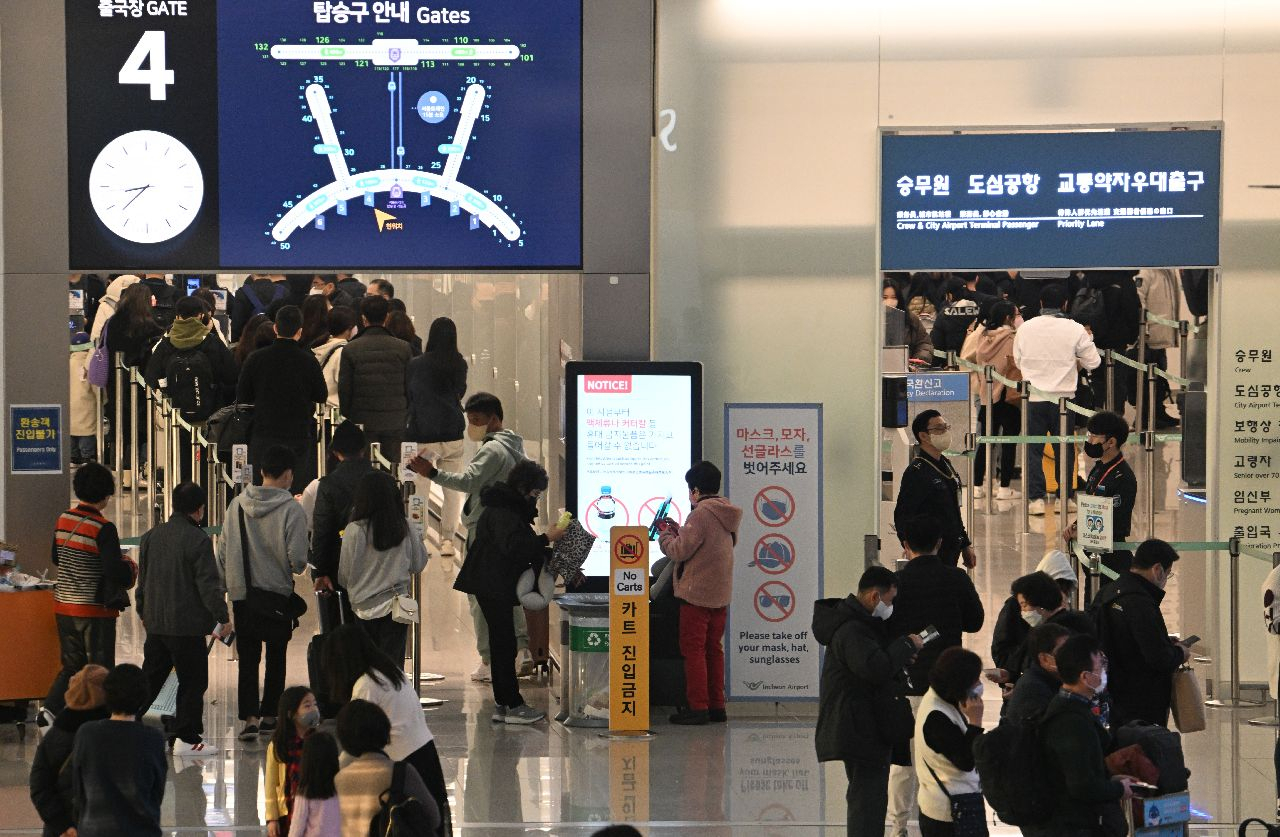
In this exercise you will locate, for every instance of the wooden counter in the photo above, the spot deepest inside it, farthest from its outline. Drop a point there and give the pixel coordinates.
(30, 656)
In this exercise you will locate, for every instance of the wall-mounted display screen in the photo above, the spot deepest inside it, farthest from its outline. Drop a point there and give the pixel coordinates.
(1089, 199)
(295, 134)
(633, 431)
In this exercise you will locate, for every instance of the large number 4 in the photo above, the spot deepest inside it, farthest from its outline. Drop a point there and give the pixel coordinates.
(150, 49)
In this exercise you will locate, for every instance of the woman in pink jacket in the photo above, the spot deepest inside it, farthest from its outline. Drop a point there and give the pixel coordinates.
(995, 348)
(703, 554)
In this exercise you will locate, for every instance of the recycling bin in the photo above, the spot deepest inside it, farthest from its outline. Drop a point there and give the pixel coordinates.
(584, 676)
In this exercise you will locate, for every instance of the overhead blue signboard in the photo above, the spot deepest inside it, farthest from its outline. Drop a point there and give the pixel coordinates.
(938, 386)
(1093, 199)
(35, 439)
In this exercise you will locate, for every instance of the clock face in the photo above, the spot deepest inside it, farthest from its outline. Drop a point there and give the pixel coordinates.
(146, 186)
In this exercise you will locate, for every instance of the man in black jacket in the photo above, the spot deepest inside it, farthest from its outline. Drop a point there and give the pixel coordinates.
(1133, 634)
(1075, 745)
(957, 316)
(258, 295)
(326, 284)
(373, 379)
(181, 598)
(334, 497)
(864, 717)
(284, 384)
(930, 593)
(930, 487)
(1039, 683)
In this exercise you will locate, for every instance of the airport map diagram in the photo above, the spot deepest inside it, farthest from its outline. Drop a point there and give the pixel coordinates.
(443, 150)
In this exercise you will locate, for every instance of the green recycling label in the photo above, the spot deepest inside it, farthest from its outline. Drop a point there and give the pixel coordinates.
(587, 639)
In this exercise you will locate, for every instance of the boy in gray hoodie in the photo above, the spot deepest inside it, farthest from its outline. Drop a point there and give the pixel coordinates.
(500, 450)
(275, 530)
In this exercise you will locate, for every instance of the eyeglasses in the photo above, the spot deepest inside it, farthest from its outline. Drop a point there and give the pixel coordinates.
(943, 428)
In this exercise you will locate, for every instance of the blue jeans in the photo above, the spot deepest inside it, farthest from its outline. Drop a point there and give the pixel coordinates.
(1042, 420)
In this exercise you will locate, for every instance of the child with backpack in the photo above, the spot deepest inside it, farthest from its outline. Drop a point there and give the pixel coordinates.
(371, 783)
(297, 718)
(315, 807)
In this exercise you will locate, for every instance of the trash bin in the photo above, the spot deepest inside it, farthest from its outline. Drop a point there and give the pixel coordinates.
(584, 678)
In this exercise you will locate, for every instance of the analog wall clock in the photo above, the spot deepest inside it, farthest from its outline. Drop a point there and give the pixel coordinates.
(146, 186)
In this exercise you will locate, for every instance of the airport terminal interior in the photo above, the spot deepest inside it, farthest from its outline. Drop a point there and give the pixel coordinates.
(764, 235)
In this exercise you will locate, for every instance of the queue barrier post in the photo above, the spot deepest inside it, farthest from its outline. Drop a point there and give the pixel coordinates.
(988, 372)
(1065, 467)
(1109, 399)
(1272, 720)
(98, 432)
(1149, 445)
(1024, 454)
(117, 429)
(1184, 332)
(1234, 701)
(134, 477)
(1139, 397)
(153, 446)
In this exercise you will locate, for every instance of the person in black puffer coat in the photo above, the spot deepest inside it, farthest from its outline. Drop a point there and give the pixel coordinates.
(504, 547)
(51, 792)
(373, 379)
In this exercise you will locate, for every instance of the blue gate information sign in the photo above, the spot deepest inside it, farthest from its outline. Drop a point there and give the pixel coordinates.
(35, 439)
(1092, 199)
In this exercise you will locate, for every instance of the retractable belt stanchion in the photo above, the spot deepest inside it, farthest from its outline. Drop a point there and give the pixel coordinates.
(1234, 700)
(134, 476)
(1272, 720)
(99, 434)
(152, 402)
(1140, 392)
(117, 428)
(990, 482)
(321, 440)
(1109, 399)
(1149, 445)
(1065, 467)
(1024, 454)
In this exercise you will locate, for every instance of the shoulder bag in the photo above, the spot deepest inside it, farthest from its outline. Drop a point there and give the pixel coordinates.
(968, 812)
(275, 608)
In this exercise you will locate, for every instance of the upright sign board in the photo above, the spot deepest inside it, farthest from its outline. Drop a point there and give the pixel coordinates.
(35, 439)
(633, 430)
(1088, 199)
(773, 470)
(1094, 530)
(629, 629)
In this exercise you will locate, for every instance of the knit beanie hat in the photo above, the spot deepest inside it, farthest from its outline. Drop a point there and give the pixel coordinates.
(86, 690)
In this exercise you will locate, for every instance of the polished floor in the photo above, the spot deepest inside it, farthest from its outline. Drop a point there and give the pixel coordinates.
(755, 776)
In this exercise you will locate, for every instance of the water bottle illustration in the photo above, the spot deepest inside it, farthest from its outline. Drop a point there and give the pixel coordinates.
(606, 506)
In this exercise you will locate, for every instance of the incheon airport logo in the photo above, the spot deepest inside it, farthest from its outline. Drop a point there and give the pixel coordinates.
(607, 384)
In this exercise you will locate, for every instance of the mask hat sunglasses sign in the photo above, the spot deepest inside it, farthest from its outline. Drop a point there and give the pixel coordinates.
(773, 470)
(1094, 530)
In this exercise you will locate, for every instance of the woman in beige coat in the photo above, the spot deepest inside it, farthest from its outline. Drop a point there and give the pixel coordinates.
(995, 348)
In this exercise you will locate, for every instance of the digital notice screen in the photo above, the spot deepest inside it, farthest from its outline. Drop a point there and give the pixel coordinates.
(633, 431)
(296, 134)
(1090, 199)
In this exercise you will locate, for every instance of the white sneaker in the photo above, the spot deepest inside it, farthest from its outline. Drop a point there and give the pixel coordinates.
(1008, 493)
(200, 748)
(979, 492)
(482, 674)
(523, 714)
(1036, 508)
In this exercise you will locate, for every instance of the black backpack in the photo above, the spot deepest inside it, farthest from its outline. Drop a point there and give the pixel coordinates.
(401, 815)
(259, 307)
(1010, 764)
(1089, 308)
(190, 384)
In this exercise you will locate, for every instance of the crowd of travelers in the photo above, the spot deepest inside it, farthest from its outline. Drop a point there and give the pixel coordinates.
(901, 699)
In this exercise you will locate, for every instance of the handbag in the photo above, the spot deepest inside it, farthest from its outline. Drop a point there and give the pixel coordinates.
(404, 609)
(570, 552)
(230, 426)
(1188, 701)
(1133, 761)
(275, 608)
(1268, 830)
(968, 811)
(98, 372)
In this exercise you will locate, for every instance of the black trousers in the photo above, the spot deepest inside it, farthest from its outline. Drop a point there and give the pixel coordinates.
(188, 656)
(500, 618)
(387, 634)
(426, 761)
(1006, 420)
(83, 640)
(251, 636)
(867, 797)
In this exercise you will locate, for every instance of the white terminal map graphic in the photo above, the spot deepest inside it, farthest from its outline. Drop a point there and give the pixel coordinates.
(348, 185)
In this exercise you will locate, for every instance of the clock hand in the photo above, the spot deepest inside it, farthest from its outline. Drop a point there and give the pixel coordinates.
(139, 190)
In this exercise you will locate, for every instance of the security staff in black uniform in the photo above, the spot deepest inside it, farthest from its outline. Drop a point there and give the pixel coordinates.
(1111, 477)
(931, 487)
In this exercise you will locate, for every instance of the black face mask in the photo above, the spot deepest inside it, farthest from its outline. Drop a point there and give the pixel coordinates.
(1093, 450)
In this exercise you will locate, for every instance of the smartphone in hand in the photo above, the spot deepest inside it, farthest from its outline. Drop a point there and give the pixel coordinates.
(929, 634)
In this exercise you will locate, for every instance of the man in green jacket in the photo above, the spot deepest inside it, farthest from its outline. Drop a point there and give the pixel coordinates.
(1076, 743)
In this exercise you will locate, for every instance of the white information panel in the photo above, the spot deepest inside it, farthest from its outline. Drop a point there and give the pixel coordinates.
(1094, 529)
(635, 431)
(773, 470)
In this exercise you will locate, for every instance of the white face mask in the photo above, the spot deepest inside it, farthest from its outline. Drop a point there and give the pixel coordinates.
(476, 432)
(1102, 683)
(1034, 618)
(976, 692)
(316, 292)
(882, 610)
(941, 441)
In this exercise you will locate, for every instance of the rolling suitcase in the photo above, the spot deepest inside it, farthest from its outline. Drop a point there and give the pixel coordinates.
(317, 677)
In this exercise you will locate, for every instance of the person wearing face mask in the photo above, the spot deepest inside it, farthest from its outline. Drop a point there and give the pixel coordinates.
(998, 415)
(1039, 683)
(181, 599)
(947, 725)
(864, 718)
(1112, 477)
(326, 285)
(1009, 638)
(904, 323)
(930, 486)
(500, 450)
(1135, 638)
(1075, 745)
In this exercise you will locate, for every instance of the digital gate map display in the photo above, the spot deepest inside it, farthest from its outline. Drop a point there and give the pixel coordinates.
(291, 134)
(1088, 199)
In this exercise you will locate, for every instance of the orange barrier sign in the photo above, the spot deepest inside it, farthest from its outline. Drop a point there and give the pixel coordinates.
(629, 629)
